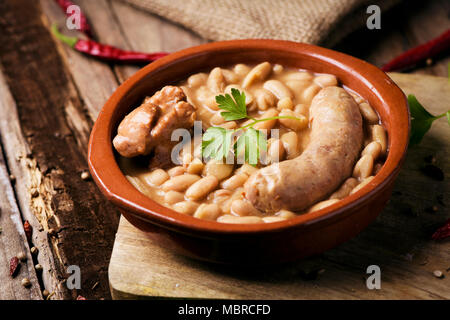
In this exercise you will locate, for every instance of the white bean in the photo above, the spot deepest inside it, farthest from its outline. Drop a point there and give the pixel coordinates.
(221, 195)
(235, 181)
(275, 151)
(180, 183)
(195, 167)
(323, 204)
(363, 168)
(362, 184)
(265, 99)
(230, 76)
(379, 135)
(247, 169)
(285, 103)
(217, 169)
(269, 124)
(373, 149)
(241, 70)
(171, 197)
(216, 81)
(290, 143)
(207, 211)
(277, 68)
(156, 178)
(197, 80)
(285, 214)
(302, 76)
(326, 80)
(243, 208)
(368, 113)
(278, 89)
(239, 220)
(295, 124)
(201, 188)
(186, 207)
(345, 189)
(310, 93)
(258, 73)
(302, 109)
(273, 219)
(176, 171)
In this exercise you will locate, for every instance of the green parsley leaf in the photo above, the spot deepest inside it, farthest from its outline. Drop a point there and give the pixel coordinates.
(250, 144)
(234, 109)
(421, 120)
(216, 143)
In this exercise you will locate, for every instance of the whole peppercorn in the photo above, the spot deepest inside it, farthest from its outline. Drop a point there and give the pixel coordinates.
(85, 175)
(45, 293)
(26, 282)
(34, 251)
(38, 267)
(22, 256)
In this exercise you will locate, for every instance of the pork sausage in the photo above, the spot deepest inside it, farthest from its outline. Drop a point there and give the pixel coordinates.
(336, 141)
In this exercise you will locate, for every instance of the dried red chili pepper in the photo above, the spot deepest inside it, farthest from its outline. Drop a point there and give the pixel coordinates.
(443, 232)
(420, 53)
(14, 266)
(106, 52)
(84, 24)
(28, 230)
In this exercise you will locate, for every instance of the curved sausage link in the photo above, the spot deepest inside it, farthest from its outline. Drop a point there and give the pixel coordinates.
(336, 141)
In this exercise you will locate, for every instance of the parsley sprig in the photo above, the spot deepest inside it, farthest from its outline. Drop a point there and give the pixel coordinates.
(246, 141)
(421, 120)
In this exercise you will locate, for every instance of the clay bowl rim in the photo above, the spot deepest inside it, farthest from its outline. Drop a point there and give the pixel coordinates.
(114, 185)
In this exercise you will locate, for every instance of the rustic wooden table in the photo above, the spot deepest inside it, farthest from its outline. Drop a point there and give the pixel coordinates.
(50, 96)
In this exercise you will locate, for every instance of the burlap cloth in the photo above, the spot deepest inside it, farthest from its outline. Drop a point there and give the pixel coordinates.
(322, 22)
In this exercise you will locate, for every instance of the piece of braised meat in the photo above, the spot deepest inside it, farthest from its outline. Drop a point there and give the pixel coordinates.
(151, 124)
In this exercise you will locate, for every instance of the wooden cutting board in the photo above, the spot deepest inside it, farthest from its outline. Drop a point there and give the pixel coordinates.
(398, 242)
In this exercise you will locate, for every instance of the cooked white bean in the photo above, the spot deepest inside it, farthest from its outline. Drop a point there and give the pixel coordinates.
(373, 149)
(216, 119)
(323, 204)
(277, 68)
(243, 208)
(357, 98)
(186, 207)
(310, 93)
(326, 80)
(202, 187)
(230, 76)
(275, 151)
(301, 122)
(302, 109)
(345, 189)
(228, 125)
(247, 169)
(240, 220)
(157, 177)
(362, 184)
(180, 183)
(368, 113)
(286, 214)
(217, 169)
(278, 89)
(221, 195)
(302, 75)
(363, 168)
(379, 135)
(195, 167)
(241, 70)
(176, 171)
(225, 206)
(216, 81)
(197, 80)
(269, 124)
(273, 219)
(234, 181)
(172, 197)
(208, 211)
(290, 143)
(265, 99)
(258, 73)
(285, 103)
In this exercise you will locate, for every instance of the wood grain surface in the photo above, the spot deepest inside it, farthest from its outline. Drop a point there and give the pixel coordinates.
(50, 96)
(398, 242)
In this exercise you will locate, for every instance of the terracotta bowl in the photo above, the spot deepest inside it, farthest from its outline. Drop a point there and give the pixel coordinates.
(302, 236)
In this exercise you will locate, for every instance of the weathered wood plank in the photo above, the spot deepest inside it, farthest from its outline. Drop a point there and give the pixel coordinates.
(13, 242)
(398, 242)
(77, 221)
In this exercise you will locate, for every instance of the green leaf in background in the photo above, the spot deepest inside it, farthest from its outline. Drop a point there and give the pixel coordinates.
(216, 143)
(421, 120)
(234, 109)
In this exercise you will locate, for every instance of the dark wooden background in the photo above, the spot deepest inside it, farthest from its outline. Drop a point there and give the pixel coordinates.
(49, 98)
